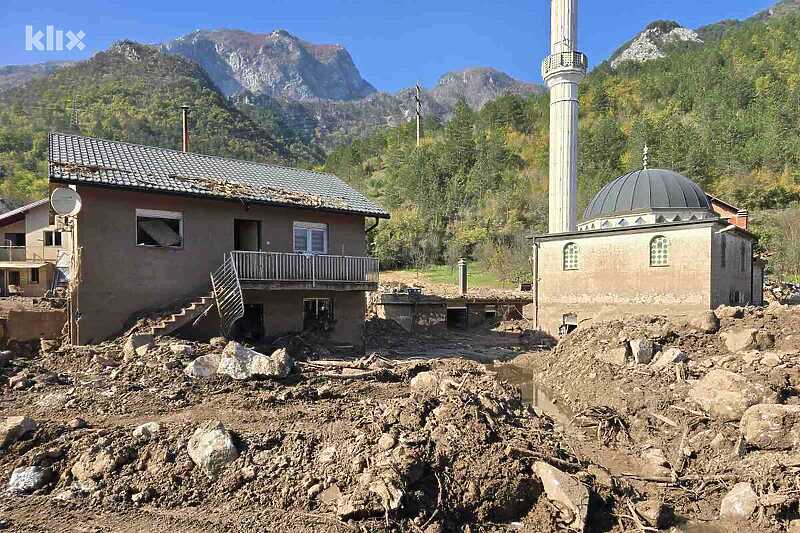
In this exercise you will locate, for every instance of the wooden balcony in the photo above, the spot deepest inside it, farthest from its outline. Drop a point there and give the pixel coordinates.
(275, 271)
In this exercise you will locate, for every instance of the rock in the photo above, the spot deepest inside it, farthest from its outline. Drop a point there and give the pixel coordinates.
(615, 356)
(182, 350)
(91, 467)
(6, 356)
(740, 340)
(19, 381)
(725, 311)
(330, 495)
(707, 322)
(765, 340)
(794, 527)
(642, 351)
(327, 455)
(137, 345)
(601, 476)
(14, 428)
(218, 342)
(567, 493)
(655, 463)
(211, 448)
(389, 494)
(386, 442)
(25, 480)
(204, 366)
(771, 359)
(314, 490)
(77, 423)
(740, 503)
(725, 395)
(146, 431)
(240, 363)
(772, 426)
(670, 356)
(655, 513)
(425, 382)
(720, 443)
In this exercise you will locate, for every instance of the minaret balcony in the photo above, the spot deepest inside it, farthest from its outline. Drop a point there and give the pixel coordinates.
(566, 62)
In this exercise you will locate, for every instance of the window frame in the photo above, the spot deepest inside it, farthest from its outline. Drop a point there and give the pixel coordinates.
(743, 258)
(156, 213)
(33, 277)
(571, 246)
(18, 275)
(310, 227)
(316, 301)
(653, 262)
(52, 234)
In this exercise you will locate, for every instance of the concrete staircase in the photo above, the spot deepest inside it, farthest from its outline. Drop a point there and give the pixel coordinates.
(187, 314)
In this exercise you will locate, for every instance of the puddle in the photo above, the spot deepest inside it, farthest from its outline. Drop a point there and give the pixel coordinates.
(532, 393)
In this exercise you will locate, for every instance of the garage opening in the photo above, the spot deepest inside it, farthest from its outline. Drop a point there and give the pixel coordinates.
(457, 317)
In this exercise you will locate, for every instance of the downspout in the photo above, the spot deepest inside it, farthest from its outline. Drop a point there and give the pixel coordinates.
(535, 284)
(375, 225)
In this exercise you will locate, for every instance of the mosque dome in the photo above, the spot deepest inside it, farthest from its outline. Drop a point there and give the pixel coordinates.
(647, 190)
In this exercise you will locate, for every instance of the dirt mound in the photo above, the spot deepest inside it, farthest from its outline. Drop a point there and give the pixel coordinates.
(670, 395)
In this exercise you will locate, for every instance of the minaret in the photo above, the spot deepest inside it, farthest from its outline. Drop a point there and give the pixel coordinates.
(563, 70)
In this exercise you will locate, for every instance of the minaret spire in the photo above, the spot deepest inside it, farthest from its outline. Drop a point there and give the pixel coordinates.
(562, 71)
(645, 156)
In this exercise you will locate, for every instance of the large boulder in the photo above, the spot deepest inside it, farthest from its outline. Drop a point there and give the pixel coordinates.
(566, 493)
(643, 350)
(137, 345)
(618, 356)
(95, 466)
(740, 503)
(211, 448)
(14, 428)
(204, 366)
(772, 426)
(726, 396)
(27, 479)
(725, 311)
(240, 362)
(670, 356)
(740, 340)
(147, 431)
(707, 322)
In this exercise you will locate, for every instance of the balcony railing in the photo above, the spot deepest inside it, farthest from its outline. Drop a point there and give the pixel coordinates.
(314, 269)
(12, 253)
(573, 61)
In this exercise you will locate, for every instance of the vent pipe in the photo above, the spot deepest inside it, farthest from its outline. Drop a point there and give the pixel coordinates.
(185, 121)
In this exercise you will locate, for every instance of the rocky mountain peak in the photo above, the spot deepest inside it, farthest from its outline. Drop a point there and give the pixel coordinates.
(478, 86)
(650, 44)
(276, 64)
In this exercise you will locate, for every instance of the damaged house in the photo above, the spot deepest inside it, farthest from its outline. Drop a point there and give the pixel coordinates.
(252, 250)
(34, 253)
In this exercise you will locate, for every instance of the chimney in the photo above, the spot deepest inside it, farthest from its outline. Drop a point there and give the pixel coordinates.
(185, 117)
(742, 218)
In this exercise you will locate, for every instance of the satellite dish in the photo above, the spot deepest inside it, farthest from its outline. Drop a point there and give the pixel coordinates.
(65, 202)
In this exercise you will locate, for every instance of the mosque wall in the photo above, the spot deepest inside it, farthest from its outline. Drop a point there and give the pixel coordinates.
(614, 277)
(732, 277)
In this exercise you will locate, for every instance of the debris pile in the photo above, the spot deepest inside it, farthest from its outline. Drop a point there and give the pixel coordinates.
(711, 404)
(782, 292)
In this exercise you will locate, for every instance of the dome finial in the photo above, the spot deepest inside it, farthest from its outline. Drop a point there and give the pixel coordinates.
(645, 156)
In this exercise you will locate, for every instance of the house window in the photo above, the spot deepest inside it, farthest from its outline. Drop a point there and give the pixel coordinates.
(14, 239)
(317, 311)
(52, 238)
(163, 229)
(13, 278)
(571, 256)
(659, 251)
(310, 238)
(724, 252)
(34, 278)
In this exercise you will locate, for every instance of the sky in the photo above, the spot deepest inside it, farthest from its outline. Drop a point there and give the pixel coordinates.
(394, 43)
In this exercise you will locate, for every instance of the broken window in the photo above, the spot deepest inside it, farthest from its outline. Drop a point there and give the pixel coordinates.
(317, 311)
(159, 228)
(310, 238)
(52, 238)
(659, 251)
(571, 256)
(34, 277)
(13, 277)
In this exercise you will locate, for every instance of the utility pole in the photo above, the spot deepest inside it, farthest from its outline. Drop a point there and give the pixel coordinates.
(418, 99)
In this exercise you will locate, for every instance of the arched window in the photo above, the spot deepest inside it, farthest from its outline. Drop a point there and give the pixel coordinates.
(659, 251)
(571, 256)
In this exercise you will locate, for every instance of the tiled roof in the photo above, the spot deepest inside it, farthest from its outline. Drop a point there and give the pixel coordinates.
(86, 160)
(19, 213)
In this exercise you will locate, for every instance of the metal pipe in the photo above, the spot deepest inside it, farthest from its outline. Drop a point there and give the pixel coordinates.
(185, 121)
(375, 225)
(535, 284)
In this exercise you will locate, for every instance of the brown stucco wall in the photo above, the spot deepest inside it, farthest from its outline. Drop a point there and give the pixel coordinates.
(121, 279)
(615, 278)
(29, 325)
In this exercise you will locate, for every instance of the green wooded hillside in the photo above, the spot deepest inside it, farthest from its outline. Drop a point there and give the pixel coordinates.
(726, 114)
(130, 93)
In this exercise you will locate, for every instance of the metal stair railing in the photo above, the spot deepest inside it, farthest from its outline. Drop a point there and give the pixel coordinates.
(228, 294)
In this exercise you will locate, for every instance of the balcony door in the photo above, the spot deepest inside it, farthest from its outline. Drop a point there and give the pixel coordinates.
(247, 235)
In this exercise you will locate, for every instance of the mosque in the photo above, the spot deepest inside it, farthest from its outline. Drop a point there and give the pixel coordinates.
(651, 241)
